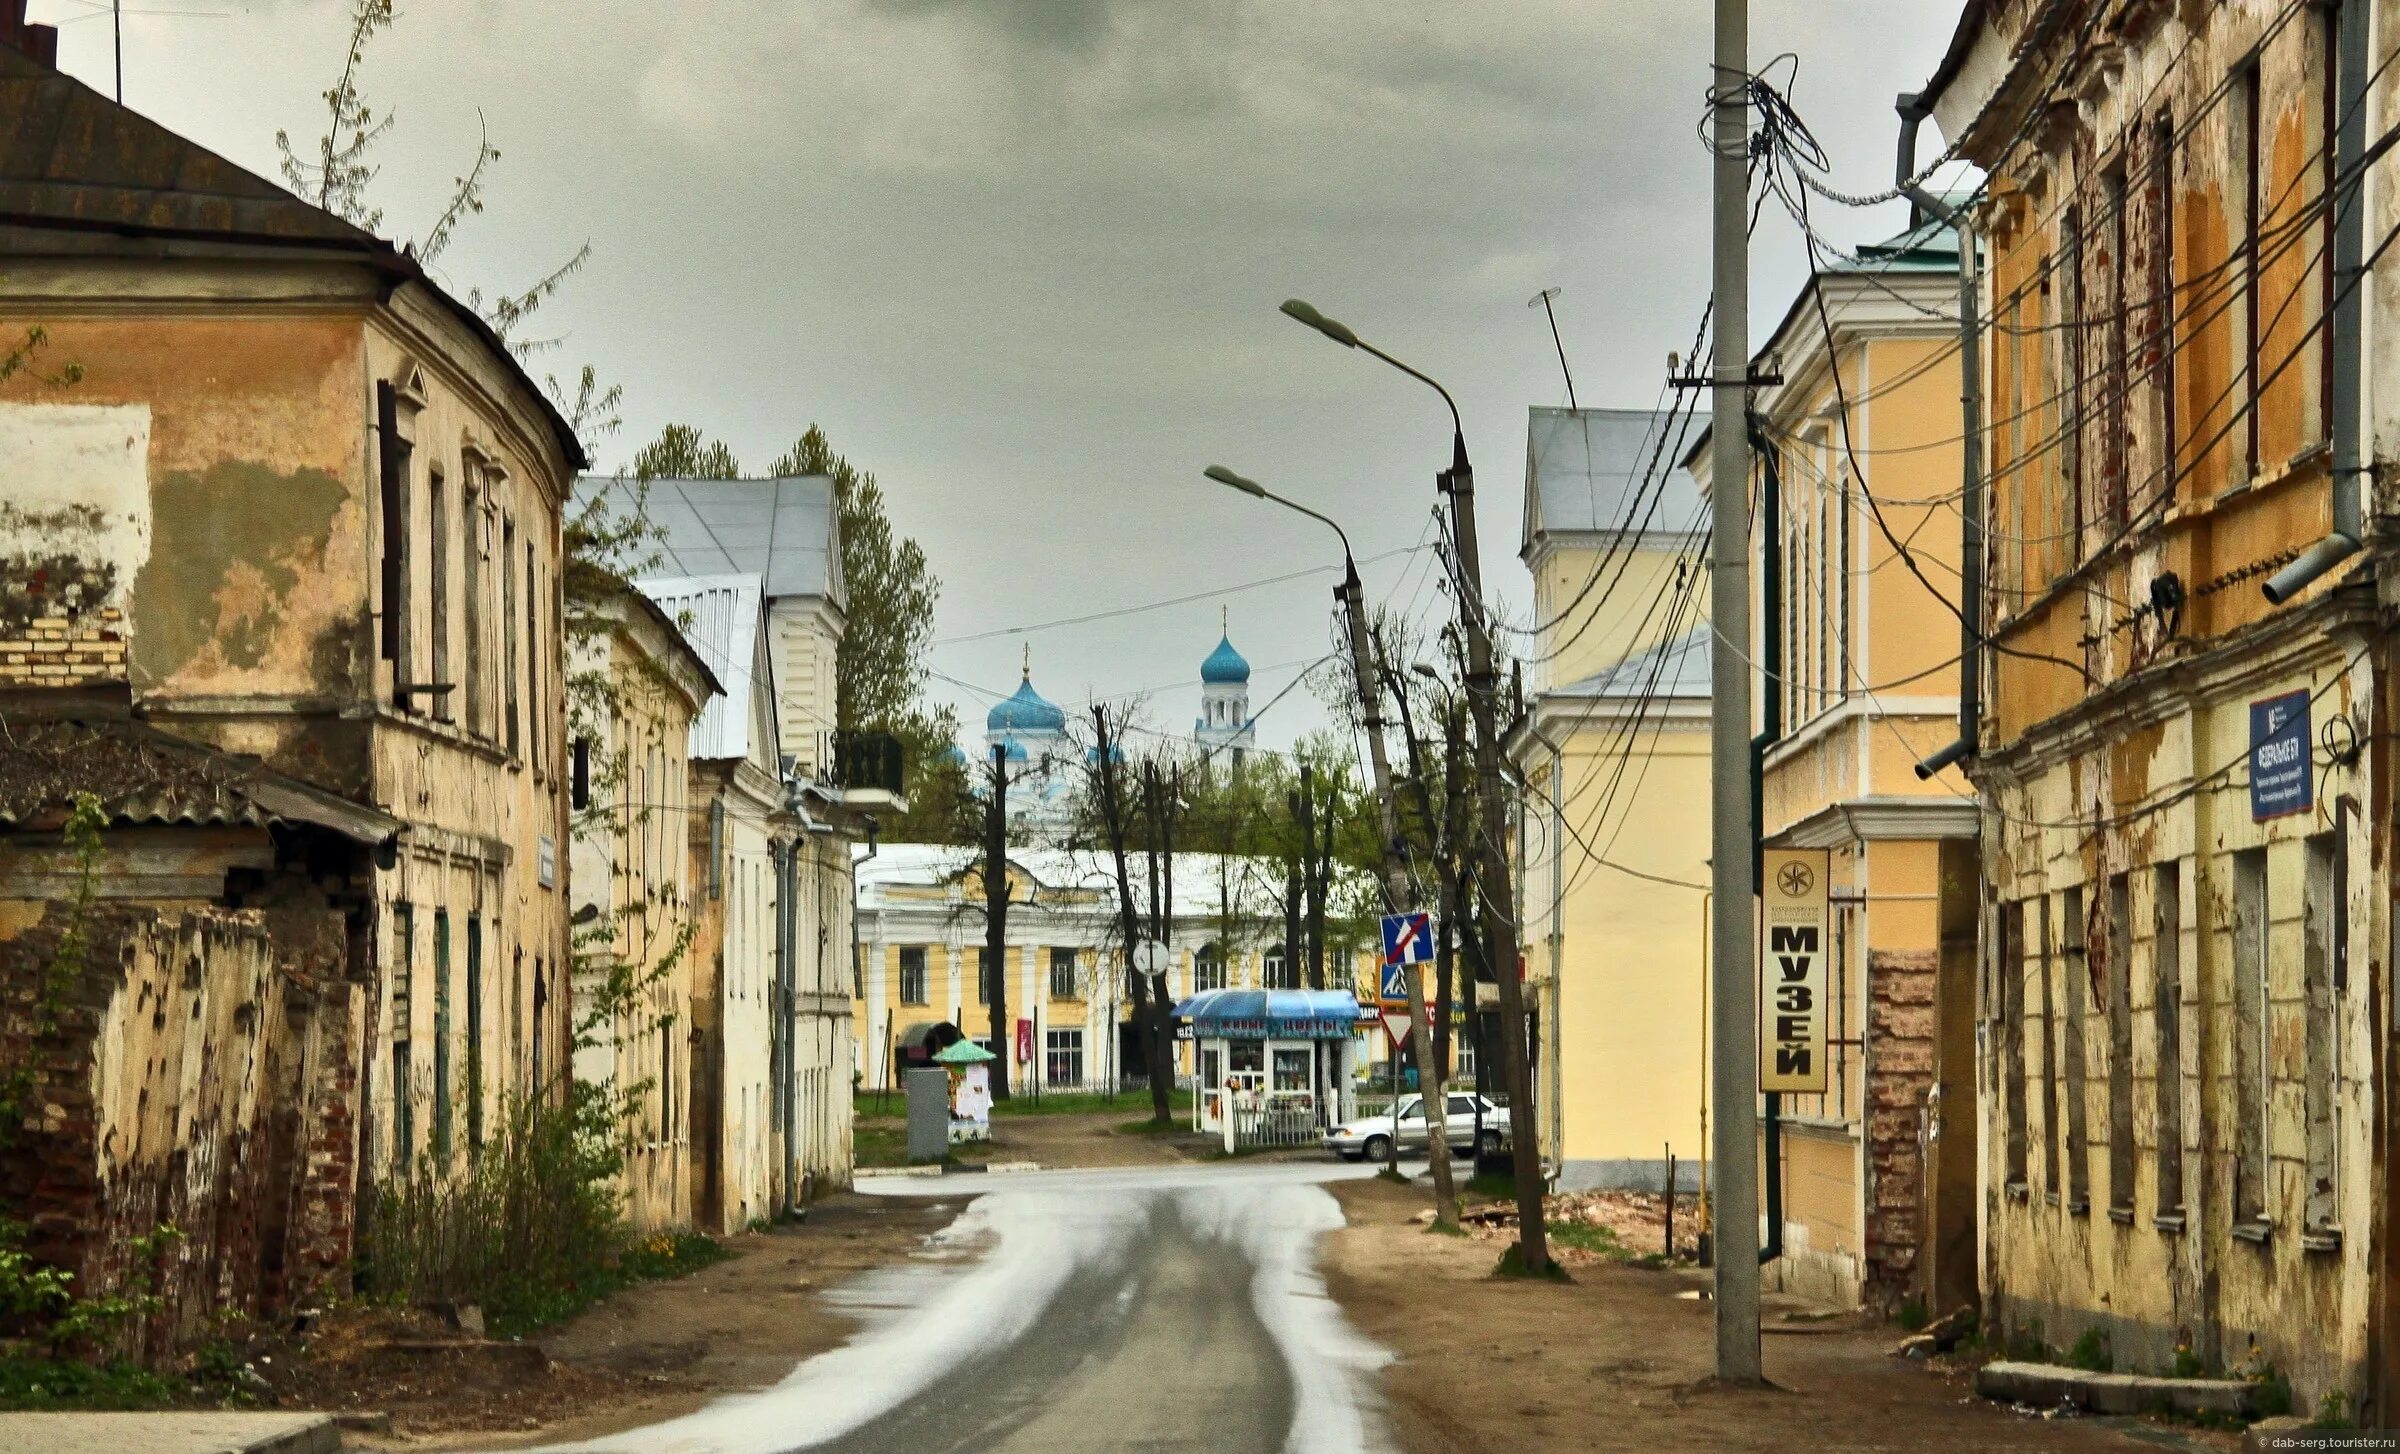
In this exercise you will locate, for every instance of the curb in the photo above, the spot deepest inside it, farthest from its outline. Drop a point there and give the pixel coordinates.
(2048, 1385)
(868, 1173)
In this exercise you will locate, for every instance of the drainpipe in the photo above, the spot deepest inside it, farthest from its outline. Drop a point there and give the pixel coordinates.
(1970, 398)
(1770, 656)
(2349, 242)
(1558, 935)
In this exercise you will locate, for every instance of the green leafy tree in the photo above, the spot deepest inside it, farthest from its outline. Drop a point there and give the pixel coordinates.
(682, 453)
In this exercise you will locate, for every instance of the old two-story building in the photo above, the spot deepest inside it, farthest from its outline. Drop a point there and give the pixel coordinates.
(752, 571)
(287, 515)
(1615, 756)
(2184, 773)
(643, 985)
(1872, 1152)
(921, 932)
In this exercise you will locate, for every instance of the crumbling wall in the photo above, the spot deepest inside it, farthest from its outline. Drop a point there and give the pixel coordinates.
(73, 532)
(1902, 1030)
(199, 1072)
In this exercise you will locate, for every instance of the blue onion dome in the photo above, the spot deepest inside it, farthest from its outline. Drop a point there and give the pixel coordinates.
(1225, 666)
(1016, 752)
(1026, 712)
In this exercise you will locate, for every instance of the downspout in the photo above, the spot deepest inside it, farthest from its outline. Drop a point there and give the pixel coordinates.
(2349, 242)
(1970, 398)
(1558, 937)
(1770, 656)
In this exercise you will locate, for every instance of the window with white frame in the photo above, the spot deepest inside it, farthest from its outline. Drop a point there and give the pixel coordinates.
(1062, 1057)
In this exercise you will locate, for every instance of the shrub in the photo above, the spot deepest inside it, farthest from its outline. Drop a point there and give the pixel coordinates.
(2091, 1352)
(534, 1220)
(1912, 1317)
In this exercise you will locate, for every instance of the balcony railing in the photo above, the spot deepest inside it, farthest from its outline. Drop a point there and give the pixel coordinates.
(869, 762)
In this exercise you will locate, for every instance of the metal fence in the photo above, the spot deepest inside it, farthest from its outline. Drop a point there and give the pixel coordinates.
(1280, 1118)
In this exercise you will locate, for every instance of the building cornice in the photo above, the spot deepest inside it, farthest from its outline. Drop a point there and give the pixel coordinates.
(1874, 819)
(2329, 630)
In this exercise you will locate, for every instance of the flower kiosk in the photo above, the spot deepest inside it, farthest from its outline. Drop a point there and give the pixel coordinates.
(1275, 1066)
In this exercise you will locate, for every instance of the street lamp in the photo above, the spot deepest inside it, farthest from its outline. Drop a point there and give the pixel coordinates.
(1500, 934)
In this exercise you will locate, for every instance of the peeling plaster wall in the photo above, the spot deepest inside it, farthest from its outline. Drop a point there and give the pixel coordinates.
(74, 531)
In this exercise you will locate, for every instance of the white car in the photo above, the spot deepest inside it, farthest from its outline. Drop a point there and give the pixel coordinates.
(1370, 1138)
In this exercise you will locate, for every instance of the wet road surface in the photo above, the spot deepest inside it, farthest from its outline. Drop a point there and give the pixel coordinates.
(1153, 1310)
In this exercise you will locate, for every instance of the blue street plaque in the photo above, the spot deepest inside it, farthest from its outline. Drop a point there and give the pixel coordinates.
(1395, 983)
(2281, 780)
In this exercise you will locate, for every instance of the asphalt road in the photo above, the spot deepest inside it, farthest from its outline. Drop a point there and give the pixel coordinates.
(1153, 1309)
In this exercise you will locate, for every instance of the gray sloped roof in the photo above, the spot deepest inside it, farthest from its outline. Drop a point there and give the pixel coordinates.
(785, 531)
(1679, 668)
(1591, 470)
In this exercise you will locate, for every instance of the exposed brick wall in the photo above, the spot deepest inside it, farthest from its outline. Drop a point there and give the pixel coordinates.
(64, 651)
(1900, 1070)
(199, 1073)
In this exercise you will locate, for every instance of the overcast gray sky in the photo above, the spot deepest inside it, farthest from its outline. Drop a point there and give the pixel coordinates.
(1021, 257)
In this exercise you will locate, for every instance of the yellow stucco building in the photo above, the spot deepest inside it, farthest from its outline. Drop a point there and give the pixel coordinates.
(921, 945)
(1615, 755)
(1857, 683)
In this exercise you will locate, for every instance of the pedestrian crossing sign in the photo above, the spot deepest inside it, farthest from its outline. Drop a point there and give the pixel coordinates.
(1407, 939)
(1395, 984)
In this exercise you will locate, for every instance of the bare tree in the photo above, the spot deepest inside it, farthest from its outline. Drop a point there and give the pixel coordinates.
(1107, 769)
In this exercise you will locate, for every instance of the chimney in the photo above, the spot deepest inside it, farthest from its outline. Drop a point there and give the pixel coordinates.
(40, 42)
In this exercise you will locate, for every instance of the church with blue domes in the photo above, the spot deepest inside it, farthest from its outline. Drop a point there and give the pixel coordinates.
(1030, 731)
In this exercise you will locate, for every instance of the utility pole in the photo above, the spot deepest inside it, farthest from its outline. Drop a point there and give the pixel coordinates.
(995, 921)
(1395, 899)
(1732, 975)
(1499, 903)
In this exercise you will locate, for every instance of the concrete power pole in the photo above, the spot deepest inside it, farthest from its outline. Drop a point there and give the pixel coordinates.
(995, 921)
(1733, 1039)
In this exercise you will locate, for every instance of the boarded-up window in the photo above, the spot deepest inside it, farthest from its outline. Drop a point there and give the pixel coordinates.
(2013, 1030)
(394, 461)
(2324, 906)
(2250, 1035)
(472, 563)
(441, 1037)
(2118, 971)
(2050, 1127)
(2166, 965)
(508, 626)
(2077, 970)
(475, 1036)
(437, 587)
(404, 949)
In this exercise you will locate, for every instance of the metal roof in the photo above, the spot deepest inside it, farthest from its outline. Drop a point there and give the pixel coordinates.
(785, 531)
(1680, 668)
(723, 619)
(1588, 470)
(1269, 1014)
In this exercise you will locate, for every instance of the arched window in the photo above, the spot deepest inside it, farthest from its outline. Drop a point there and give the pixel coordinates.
(1208, 968)
(1273, 971)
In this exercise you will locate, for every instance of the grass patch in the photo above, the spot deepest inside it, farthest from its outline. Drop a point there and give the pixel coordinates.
(1151, 1128)
(1912, 1317)
(1445, 1229)
(1492, 1186)
(894, 1105)
(1392, 1175)
(1587, 1237)
(1512, 1264)
(652, 1259)
(58, 1383)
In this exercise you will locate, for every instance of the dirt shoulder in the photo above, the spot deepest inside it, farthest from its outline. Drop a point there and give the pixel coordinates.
(650, 1353)
(1620, 1359)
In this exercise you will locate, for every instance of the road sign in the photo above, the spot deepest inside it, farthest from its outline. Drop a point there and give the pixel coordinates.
(1395, 1024)
(1395, 984)
(1408, 938)
(1791, 1015)
(1150, 957)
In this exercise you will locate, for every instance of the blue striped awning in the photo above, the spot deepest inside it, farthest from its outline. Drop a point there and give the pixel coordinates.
(1268, 1015)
